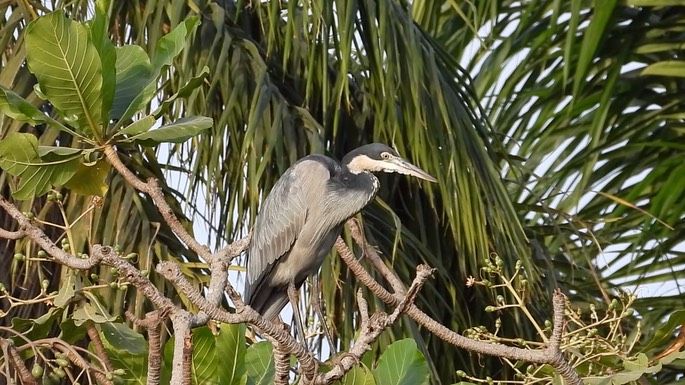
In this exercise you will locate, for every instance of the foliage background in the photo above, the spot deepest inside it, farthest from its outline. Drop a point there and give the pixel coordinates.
(555, 130)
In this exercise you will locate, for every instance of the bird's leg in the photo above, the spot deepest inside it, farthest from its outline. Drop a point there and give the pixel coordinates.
(316, 302)
(294, 297)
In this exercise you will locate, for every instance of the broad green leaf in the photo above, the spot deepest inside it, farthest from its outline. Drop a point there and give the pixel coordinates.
(634, 369)
(402, 364)
(65, 61)
(168, 47)
(133, 74)
(20, 109)
(671, 68)
(36, 328)
(99, 32)
(90, 179)
(123, 338)
(205, 360)
(675, 358)
(167, 360)
(69, 332)
(666, 331)
(19, 157)
(138, 127)
(359, 375)
(259, 364)
(176, 132)
(185, 91)
(231, 349)
(60, 151)
(66, 292)
(134, 365)
(90, 311)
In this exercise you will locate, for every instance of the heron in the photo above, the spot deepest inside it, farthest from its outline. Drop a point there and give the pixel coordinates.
(302, 217)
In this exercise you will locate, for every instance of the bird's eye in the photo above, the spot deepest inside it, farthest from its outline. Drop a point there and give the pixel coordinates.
(385, 155)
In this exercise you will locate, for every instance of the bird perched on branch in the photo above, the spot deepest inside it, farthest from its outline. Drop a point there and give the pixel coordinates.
(302, 217)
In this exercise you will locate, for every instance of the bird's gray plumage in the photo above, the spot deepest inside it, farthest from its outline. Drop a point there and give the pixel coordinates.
(304, 214)
(282, 233)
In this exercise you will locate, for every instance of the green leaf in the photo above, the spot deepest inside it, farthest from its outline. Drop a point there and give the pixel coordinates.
(39, 327)
(133, 75)
(19, 157)
(205, 361)
(231, 348)
(89, 180)
(176, 132)
(168, 47)
(259, 364)
(20, 109)
(675, 358)
(634, 369)
(670, 68)
(134, 365)
(92, 310)
(99, 32)
(68, 67)
(69, 332)
(666, 331)
(402, 364)
(59, 151)
(167, 360)
(123, 338)
(602, 11)
(138, 127)
(185, 91)
(66, 292)
(359, 375)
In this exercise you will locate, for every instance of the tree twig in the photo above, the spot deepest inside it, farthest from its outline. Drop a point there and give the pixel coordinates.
(281, 365)
(372, 255)
(372, 327)
(14, 358)
(94, 336)
(545, 356)
(153, 324)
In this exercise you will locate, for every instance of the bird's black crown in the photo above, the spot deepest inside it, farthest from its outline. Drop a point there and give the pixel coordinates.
(373, 151)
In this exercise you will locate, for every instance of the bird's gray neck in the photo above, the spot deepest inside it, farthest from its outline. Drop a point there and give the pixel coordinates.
(353, 192)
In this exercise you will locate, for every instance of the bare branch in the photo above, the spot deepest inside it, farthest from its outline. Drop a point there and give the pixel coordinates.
(153, 324)
(423, 272)
(372, 327)
(97, 344)
(281, 365)
(38, 236)
(372, 255)
(6, 234)
(218, 262)
(244, 314)
(546, 356)
(151, 187)
(15, 359)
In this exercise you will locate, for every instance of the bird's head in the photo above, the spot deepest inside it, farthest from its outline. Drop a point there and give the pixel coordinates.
(377, 157)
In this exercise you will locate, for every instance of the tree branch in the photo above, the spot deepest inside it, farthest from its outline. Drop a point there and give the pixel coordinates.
(153, 324)
(218, 262)
(546, 356)
(243, 314)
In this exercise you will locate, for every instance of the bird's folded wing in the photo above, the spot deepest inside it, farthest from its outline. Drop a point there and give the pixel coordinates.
(283, 216)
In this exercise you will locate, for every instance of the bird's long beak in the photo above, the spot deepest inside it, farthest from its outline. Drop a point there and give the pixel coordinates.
(401, 166)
